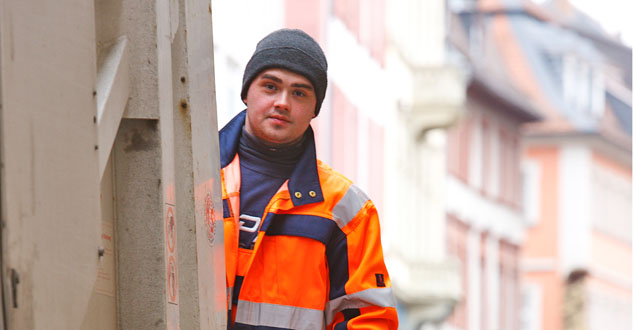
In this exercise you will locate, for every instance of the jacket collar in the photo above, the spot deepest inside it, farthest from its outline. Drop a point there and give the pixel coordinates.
(304, 178)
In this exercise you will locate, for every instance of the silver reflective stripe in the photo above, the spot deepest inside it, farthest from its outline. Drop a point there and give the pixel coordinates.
(349, 205)
(382, 297)
(230, 293)
(279, 316)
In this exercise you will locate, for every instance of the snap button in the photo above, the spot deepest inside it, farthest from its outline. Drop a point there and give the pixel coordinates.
(298, 194)
(312, 193)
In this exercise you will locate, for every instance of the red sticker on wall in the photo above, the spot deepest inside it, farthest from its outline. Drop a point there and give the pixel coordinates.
(209, 218)
(172, 279)
(171, 229)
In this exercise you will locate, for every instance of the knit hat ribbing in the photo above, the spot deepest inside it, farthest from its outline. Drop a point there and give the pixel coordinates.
(293, 50)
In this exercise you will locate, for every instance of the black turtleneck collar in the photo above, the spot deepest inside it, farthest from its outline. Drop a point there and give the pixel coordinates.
(278, 161)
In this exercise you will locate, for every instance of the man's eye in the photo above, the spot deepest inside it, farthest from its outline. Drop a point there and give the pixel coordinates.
(299, 93)
(270, 87)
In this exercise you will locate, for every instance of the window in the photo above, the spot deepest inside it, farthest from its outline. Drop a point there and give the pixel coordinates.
(555, 65)
(582, 85)
(476, 37)
(531, 307)
(531, 191)
(485, 168)
(612, 208)
(475, 162)
(494, 174)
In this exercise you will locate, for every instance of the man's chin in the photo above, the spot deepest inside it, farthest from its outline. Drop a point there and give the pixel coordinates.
(274, 140)
(279, 141)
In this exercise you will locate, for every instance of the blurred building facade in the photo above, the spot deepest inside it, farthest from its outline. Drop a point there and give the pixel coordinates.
(427, 95)
(485, 221)
(575, 264)
(433, 112)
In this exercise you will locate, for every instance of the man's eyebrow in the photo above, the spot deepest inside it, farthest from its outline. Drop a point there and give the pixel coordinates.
(304, 86)
(280, 81)
(271, 77)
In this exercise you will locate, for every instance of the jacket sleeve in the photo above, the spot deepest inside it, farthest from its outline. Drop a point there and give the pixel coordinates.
(360, 294)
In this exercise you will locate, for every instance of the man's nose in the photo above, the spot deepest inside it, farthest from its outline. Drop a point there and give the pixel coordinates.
(282, 101)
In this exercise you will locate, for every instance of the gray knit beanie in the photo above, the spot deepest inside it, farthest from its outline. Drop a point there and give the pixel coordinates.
(293, 50)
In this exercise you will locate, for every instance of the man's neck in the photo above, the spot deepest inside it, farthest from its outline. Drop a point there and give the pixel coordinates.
(268, 147)
(277, 160)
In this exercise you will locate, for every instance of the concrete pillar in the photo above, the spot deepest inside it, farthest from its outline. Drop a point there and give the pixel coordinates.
(109, 170)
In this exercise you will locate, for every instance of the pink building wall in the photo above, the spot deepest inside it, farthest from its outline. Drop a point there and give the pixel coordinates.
(483, 155)
(344, 149)
(307, 15)
(457, 236)
(608, 258)
(542, 239)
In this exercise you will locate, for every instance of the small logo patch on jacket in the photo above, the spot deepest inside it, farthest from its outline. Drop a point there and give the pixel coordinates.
(379, 280)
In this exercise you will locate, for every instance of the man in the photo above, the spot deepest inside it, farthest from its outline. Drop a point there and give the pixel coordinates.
(302, 242)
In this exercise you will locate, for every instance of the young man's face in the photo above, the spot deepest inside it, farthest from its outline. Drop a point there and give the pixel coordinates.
(280, 105)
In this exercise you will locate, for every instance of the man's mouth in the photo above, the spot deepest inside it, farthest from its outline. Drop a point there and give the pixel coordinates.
(278, 118)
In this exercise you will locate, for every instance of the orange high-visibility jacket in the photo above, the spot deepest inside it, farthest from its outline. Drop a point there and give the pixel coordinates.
(317, 262)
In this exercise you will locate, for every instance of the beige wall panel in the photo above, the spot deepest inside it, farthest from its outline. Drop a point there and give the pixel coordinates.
(141, 274)
(50, 184)
(101, 313)
(201, 250)
(137, 20)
